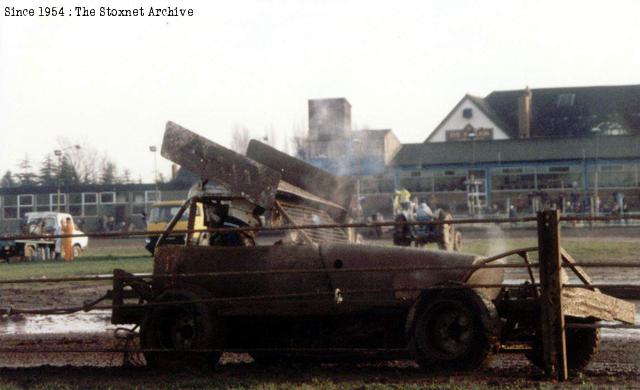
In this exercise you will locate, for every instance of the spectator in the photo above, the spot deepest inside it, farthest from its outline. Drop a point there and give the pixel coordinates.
(67, 242)
(111, 223)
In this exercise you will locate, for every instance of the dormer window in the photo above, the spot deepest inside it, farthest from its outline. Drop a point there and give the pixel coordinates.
(566, 99)
(467, 113)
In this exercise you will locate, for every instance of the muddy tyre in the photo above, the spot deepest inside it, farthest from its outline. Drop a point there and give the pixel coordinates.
(582, 345)
(457, 330)
(181, 335)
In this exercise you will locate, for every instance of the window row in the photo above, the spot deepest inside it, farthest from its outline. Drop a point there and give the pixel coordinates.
(523, 178)
(79, 204)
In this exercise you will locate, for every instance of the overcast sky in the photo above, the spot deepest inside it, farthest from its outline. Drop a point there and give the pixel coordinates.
(114, 82)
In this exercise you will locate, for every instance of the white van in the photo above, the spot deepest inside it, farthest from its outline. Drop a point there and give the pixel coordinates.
(52, 221)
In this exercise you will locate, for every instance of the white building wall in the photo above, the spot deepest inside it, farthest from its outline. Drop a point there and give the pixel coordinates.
(457, 122)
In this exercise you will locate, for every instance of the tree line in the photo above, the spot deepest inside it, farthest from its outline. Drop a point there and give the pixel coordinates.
(82, 164)
(73, 164)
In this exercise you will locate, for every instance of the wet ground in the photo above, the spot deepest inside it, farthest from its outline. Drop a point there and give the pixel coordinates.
(93, 331)
(616, 364)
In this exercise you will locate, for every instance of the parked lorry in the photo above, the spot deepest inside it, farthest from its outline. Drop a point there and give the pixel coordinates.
(40, 224)
(314, 294)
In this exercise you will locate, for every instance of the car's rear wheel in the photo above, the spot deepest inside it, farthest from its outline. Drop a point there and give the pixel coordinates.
(455, 331)
(181, 335)
(582, 345)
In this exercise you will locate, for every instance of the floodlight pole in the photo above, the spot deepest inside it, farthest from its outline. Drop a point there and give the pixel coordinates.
(596, 200)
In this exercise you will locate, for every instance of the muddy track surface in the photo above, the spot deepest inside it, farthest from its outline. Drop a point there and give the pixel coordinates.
(615, 365)
(617, 362)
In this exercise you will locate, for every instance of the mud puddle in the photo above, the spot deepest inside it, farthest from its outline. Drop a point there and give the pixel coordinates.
(92, 322)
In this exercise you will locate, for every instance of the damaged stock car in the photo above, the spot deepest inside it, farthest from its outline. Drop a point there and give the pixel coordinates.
(314, 294)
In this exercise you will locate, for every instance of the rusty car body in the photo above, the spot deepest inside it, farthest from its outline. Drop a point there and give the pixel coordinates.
(313, 293)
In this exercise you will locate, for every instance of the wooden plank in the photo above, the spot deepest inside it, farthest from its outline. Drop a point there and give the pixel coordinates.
(552, 317)
(582, 275)
(304, 175)
(581, 302)
(241, 175)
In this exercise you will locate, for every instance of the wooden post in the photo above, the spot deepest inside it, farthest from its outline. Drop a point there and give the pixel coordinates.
(552, 317)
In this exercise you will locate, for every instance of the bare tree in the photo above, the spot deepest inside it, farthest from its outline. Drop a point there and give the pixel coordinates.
(240, 139)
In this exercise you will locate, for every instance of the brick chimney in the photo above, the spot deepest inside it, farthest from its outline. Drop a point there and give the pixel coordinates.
(524, 114)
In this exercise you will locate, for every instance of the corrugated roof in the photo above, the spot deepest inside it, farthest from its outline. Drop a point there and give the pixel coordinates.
(441, 153)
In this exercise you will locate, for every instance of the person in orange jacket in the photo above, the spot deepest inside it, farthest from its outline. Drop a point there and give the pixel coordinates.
(67, 242)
